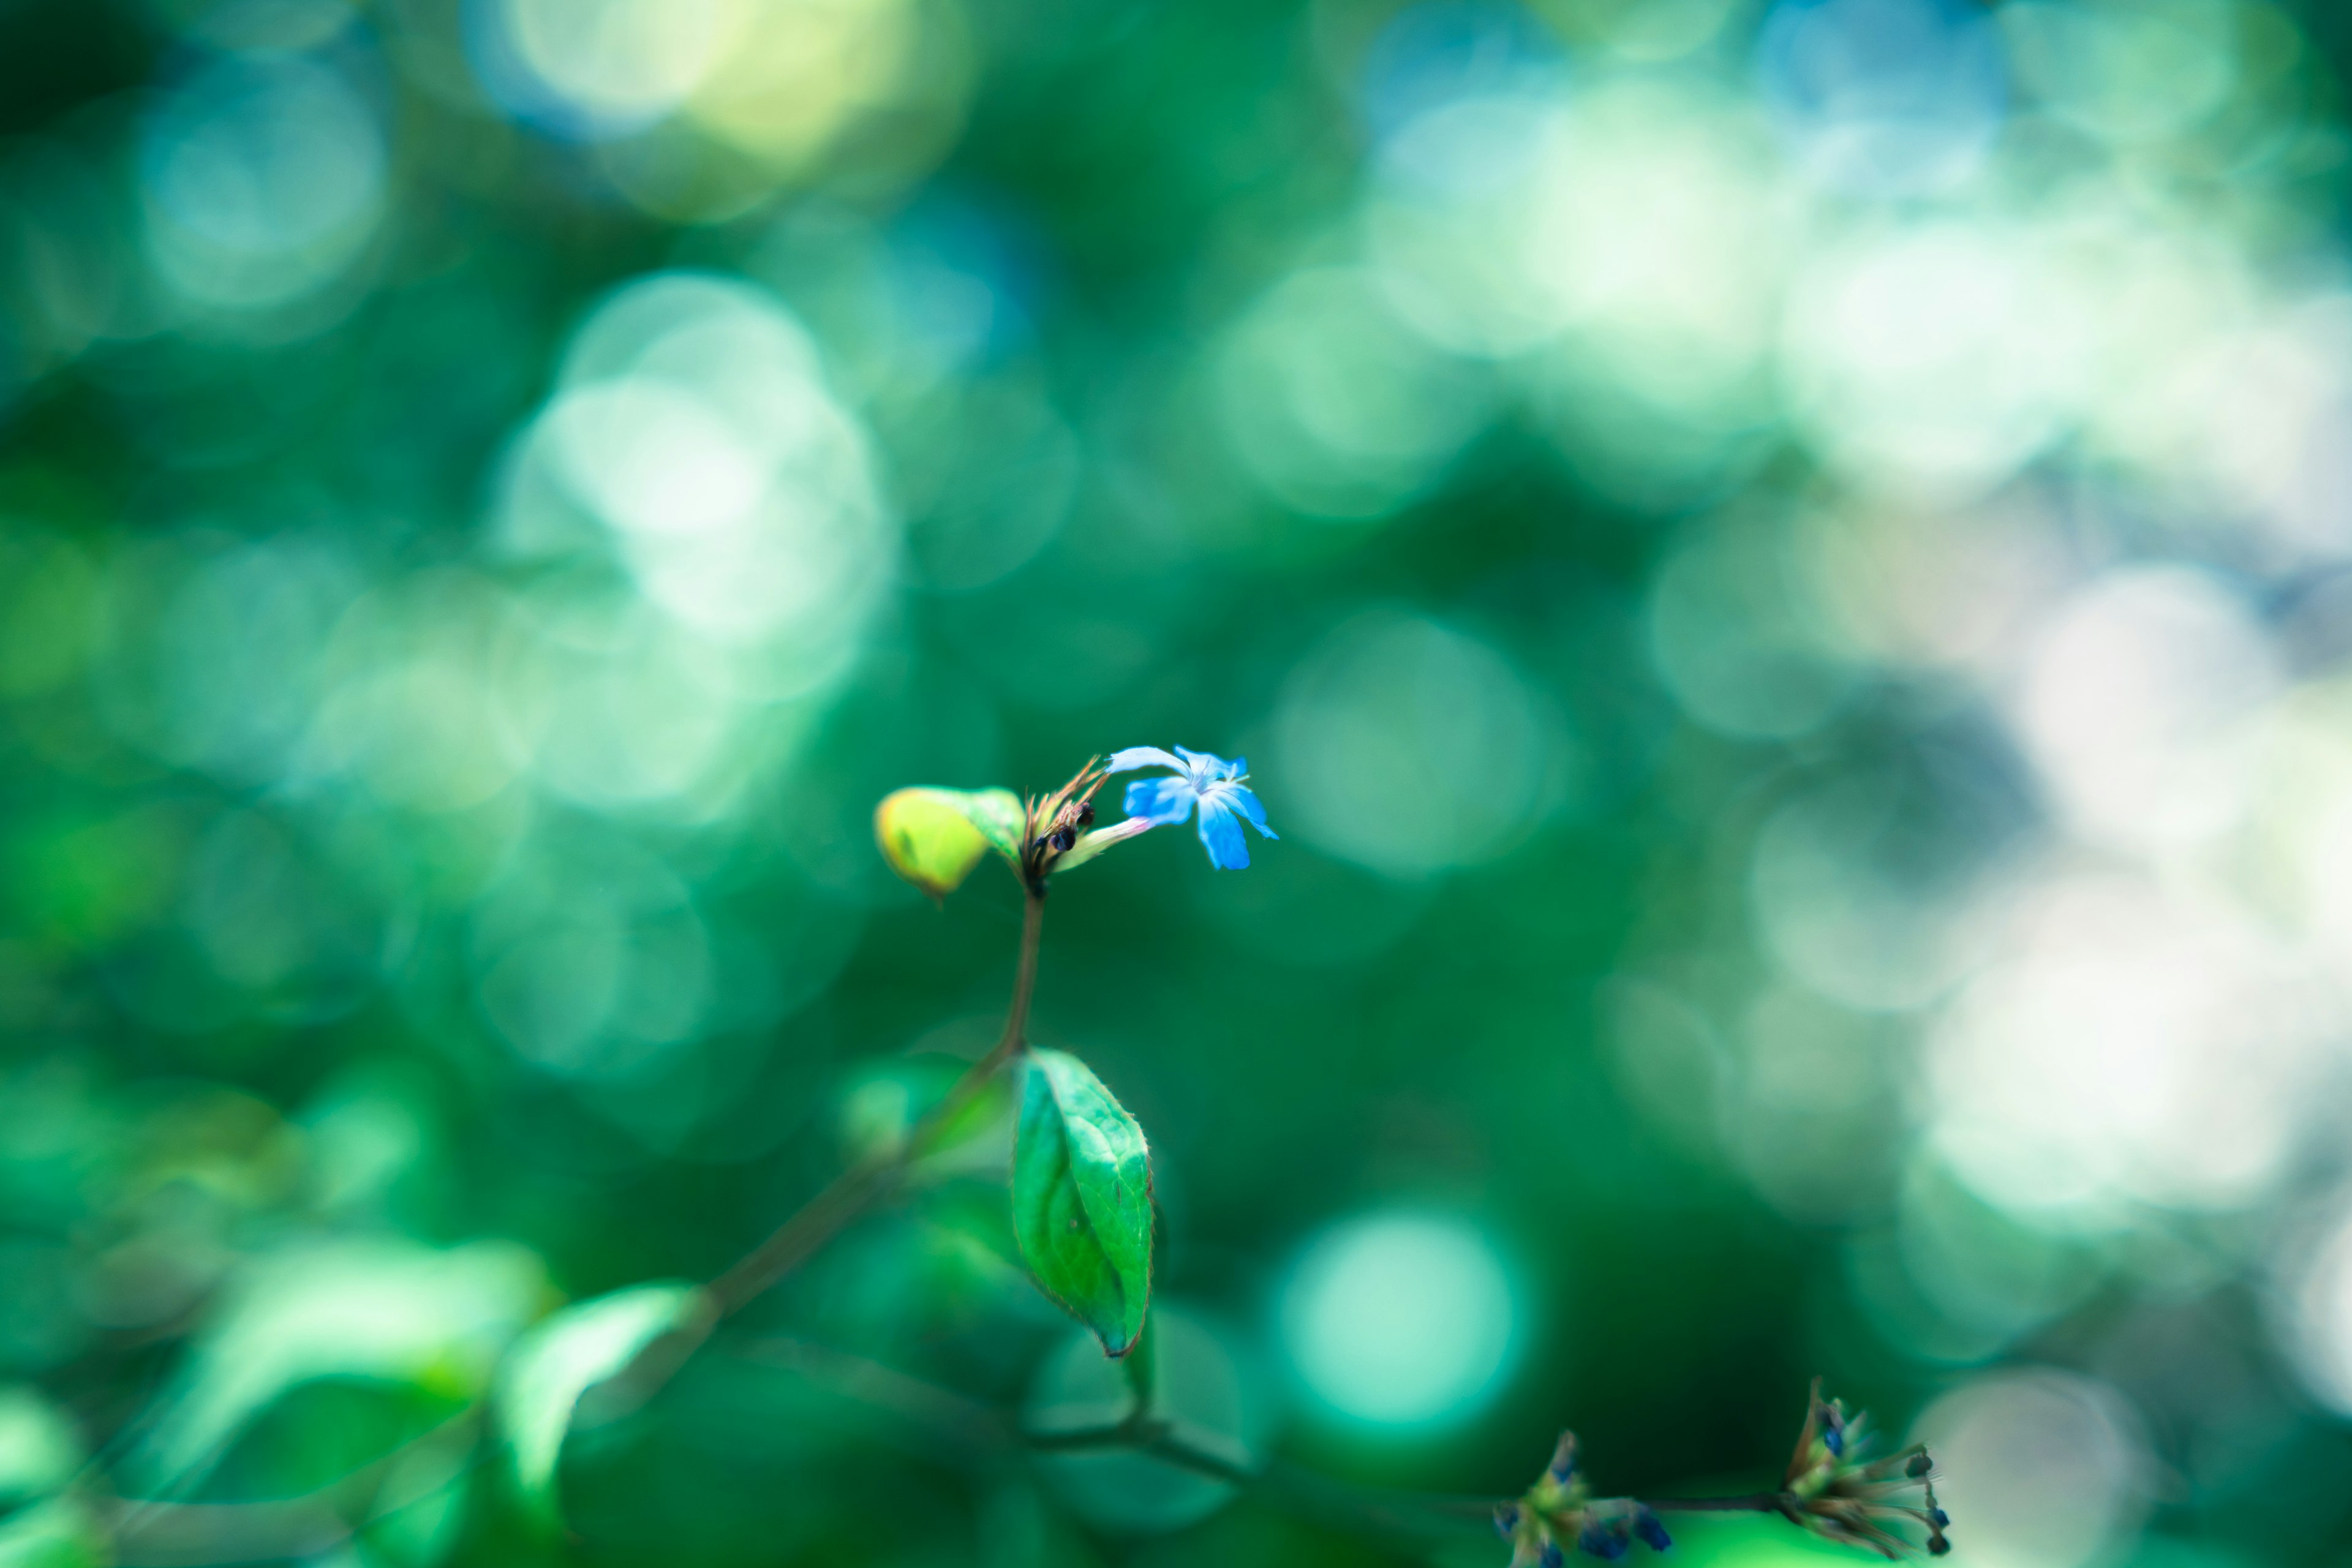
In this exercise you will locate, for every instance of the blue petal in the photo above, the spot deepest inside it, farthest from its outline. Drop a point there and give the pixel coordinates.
(1221, 834)
(1245, 801)
(1160, 801)
(1207, 769)
(1135, 757)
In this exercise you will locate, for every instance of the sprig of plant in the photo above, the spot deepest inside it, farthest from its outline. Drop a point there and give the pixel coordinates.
(1082, 1213)
(1832, 1487)
(1081, 1183)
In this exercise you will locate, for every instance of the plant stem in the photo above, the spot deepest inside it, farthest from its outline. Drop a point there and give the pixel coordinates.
(1139, 1364)
(148, 1532)
(1754, 1502)
(980, 1428)
(869, 1181)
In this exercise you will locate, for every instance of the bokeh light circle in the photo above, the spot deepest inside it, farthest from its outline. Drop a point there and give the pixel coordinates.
(1935, 358)
(2048, 1468)
(695, 421)
(2140, 706)
(2136, 1043)
(1203, 1376)
(2317, 1307)
(1410, 747)
(1737, 633)
(264, 177)
(1336, 406)
(1401, 1320)
(1885, 98)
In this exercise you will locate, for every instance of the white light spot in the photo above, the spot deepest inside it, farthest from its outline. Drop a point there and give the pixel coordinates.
(1401, 1320)
(1409, 748)
(1334, 405)
(2140, 1043)
(264, 180)
(2139, 707)
(1937, 359)
(2046, 1468)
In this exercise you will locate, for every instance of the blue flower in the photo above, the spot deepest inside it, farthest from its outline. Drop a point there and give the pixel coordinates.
(1210, 784)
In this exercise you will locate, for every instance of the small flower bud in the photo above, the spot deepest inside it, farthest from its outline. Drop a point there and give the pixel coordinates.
(1061, 838)
(1937, 1546)
(1940, 1519)
(1919, 1466)
(1506, 1519)
(1085, 814)
(1653, 1534)
(1603, 1541)
(1552, 1557)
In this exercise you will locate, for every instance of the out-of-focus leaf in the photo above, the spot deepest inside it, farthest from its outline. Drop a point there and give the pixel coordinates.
(38, 1449)
(933, 837)
(418, 1515)
(562, 1358)
(886, 1100)
(927, 840)
(997, 814)
(1082, 1198)
(59, 1534)
(385, 1309)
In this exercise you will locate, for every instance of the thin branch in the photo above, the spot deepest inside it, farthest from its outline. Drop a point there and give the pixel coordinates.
(968, 1425)
(198, 1534)
(981, 1427)
(864, 1185)
(147, 1532)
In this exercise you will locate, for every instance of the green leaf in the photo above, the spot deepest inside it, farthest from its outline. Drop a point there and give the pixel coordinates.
(38, 1455)
(389, 1310)
(560, 1359)
(38, 1450)
(998, 815)
(933, 837)
(59, 1534)
(887, 1099)
(1082, 1198)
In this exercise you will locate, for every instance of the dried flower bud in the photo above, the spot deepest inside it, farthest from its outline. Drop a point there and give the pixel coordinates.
(1834, 1488)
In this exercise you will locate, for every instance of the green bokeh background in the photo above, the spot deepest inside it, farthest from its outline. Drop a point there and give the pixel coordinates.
(438, 879)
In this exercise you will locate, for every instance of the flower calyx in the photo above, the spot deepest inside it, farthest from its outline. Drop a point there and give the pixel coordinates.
(1558, 1514)
(1054, 823)
(1836, 1490)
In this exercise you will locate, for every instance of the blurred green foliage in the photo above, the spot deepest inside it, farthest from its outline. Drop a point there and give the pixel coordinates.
(1779, 568)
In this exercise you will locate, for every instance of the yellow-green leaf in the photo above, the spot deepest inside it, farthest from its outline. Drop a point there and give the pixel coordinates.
(933, 837)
